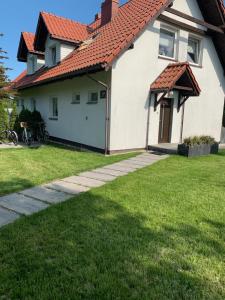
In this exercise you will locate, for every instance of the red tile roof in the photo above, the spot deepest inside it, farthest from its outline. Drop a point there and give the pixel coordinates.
(170, 76)
(112, 39)
(62, 28)
(29, 40)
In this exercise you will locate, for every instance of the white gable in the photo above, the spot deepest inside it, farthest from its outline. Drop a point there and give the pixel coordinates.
(189, 7)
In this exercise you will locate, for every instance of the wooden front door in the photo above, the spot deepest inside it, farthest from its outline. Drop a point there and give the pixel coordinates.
(165, 121)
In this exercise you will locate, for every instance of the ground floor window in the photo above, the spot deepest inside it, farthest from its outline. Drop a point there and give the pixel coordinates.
(32, 104)
(75, 98)
(54, 108)
(93, 98)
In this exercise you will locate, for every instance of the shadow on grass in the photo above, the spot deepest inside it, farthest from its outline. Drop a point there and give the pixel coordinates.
(14, 185)
(93, 248)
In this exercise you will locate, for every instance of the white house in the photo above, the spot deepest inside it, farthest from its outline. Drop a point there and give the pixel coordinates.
(143, 73)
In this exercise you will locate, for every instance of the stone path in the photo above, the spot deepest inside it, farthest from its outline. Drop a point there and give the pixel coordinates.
(29, 201)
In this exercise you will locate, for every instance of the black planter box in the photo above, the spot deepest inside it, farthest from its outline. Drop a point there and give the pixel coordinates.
(198, 150)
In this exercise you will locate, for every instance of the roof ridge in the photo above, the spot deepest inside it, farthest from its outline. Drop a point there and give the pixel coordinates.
(63, 18)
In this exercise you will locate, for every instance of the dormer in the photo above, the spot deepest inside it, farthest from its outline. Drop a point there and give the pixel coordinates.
(57, 37)
(26, 53)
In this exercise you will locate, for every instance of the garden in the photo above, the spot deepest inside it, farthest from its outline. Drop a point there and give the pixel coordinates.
(157, 233)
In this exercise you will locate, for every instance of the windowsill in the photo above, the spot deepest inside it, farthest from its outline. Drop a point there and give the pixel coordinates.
(90, 103)
(195, 65)
(167, 58)
(53, 118)
(75, 103)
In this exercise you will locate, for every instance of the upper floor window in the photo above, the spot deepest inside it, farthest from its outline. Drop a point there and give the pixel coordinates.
(32, 64)
(167, 43)
(193, 51)
(53, 56)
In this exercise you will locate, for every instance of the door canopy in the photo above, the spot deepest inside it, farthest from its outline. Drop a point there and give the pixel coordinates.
(180, 77)
(177, 76)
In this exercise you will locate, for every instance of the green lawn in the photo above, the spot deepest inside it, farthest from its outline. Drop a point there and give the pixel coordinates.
(22, 168)
(158, 233)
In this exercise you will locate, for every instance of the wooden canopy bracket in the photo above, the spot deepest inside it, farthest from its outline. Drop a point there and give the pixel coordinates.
(157, 102)
(181, 101)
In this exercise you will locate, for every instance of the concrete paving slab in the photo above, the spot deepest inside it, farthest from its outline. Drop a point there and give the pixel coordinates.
(147, 159)
(121, 168)
(98, 176)
(88, 182)
(7, 216)
(154, 156)
(141, 162)
(131, 164)
(22, 204)
(67, 187)
(115, 173)
(47, 195)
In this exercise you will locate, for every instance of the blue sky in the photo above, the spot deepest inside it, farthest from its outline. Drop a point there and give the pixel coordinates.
(22, 15)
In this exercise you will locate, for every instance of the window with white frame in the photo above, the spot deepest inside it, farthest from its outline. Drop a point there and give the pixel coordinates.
(193, 51)
(53, 55)
(32, 104)
(53, 113)
(167, 41)
(31, 65)
(22, 103)
(75, 98)
(93, 98)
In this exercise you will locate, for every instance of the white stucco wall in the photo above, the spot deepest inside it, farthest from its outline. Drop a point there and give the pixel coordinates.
(65, 50)
(133, 74)
(62, 50)
(82, 123)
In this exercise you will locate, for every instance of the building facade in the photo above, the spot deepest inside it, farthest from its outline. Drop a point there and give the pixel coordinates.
(114, 108)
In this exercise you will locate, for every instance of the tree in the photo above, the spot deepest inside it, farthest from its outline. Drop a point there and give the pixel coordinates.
(6, 94)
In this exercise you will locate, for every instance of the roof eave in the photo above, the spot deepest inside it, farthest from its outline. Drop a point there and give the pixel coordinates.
(81, 72)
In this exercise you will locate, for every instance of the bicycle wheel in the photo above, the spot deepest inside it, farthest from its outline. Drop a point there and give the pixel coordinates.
(13, 137)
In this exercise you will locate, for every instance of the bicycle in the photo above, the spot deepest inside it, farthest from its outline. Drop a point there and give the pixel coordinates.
(42, 134)
(27, 136)
(9, 136)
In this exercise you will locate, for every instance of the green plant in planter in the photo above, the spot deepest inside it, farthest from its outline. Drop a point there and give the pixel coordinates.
(199, 140)
(208, 140)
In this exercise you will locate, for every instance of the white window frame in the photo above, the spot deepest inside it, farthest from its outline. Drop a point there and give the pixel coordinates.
(90, 100)
(175, 31)
(53, 116)
(32, 60)
(53, 62)
(200, 49)
(74, 98)
(22, 103)
(33, 104)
